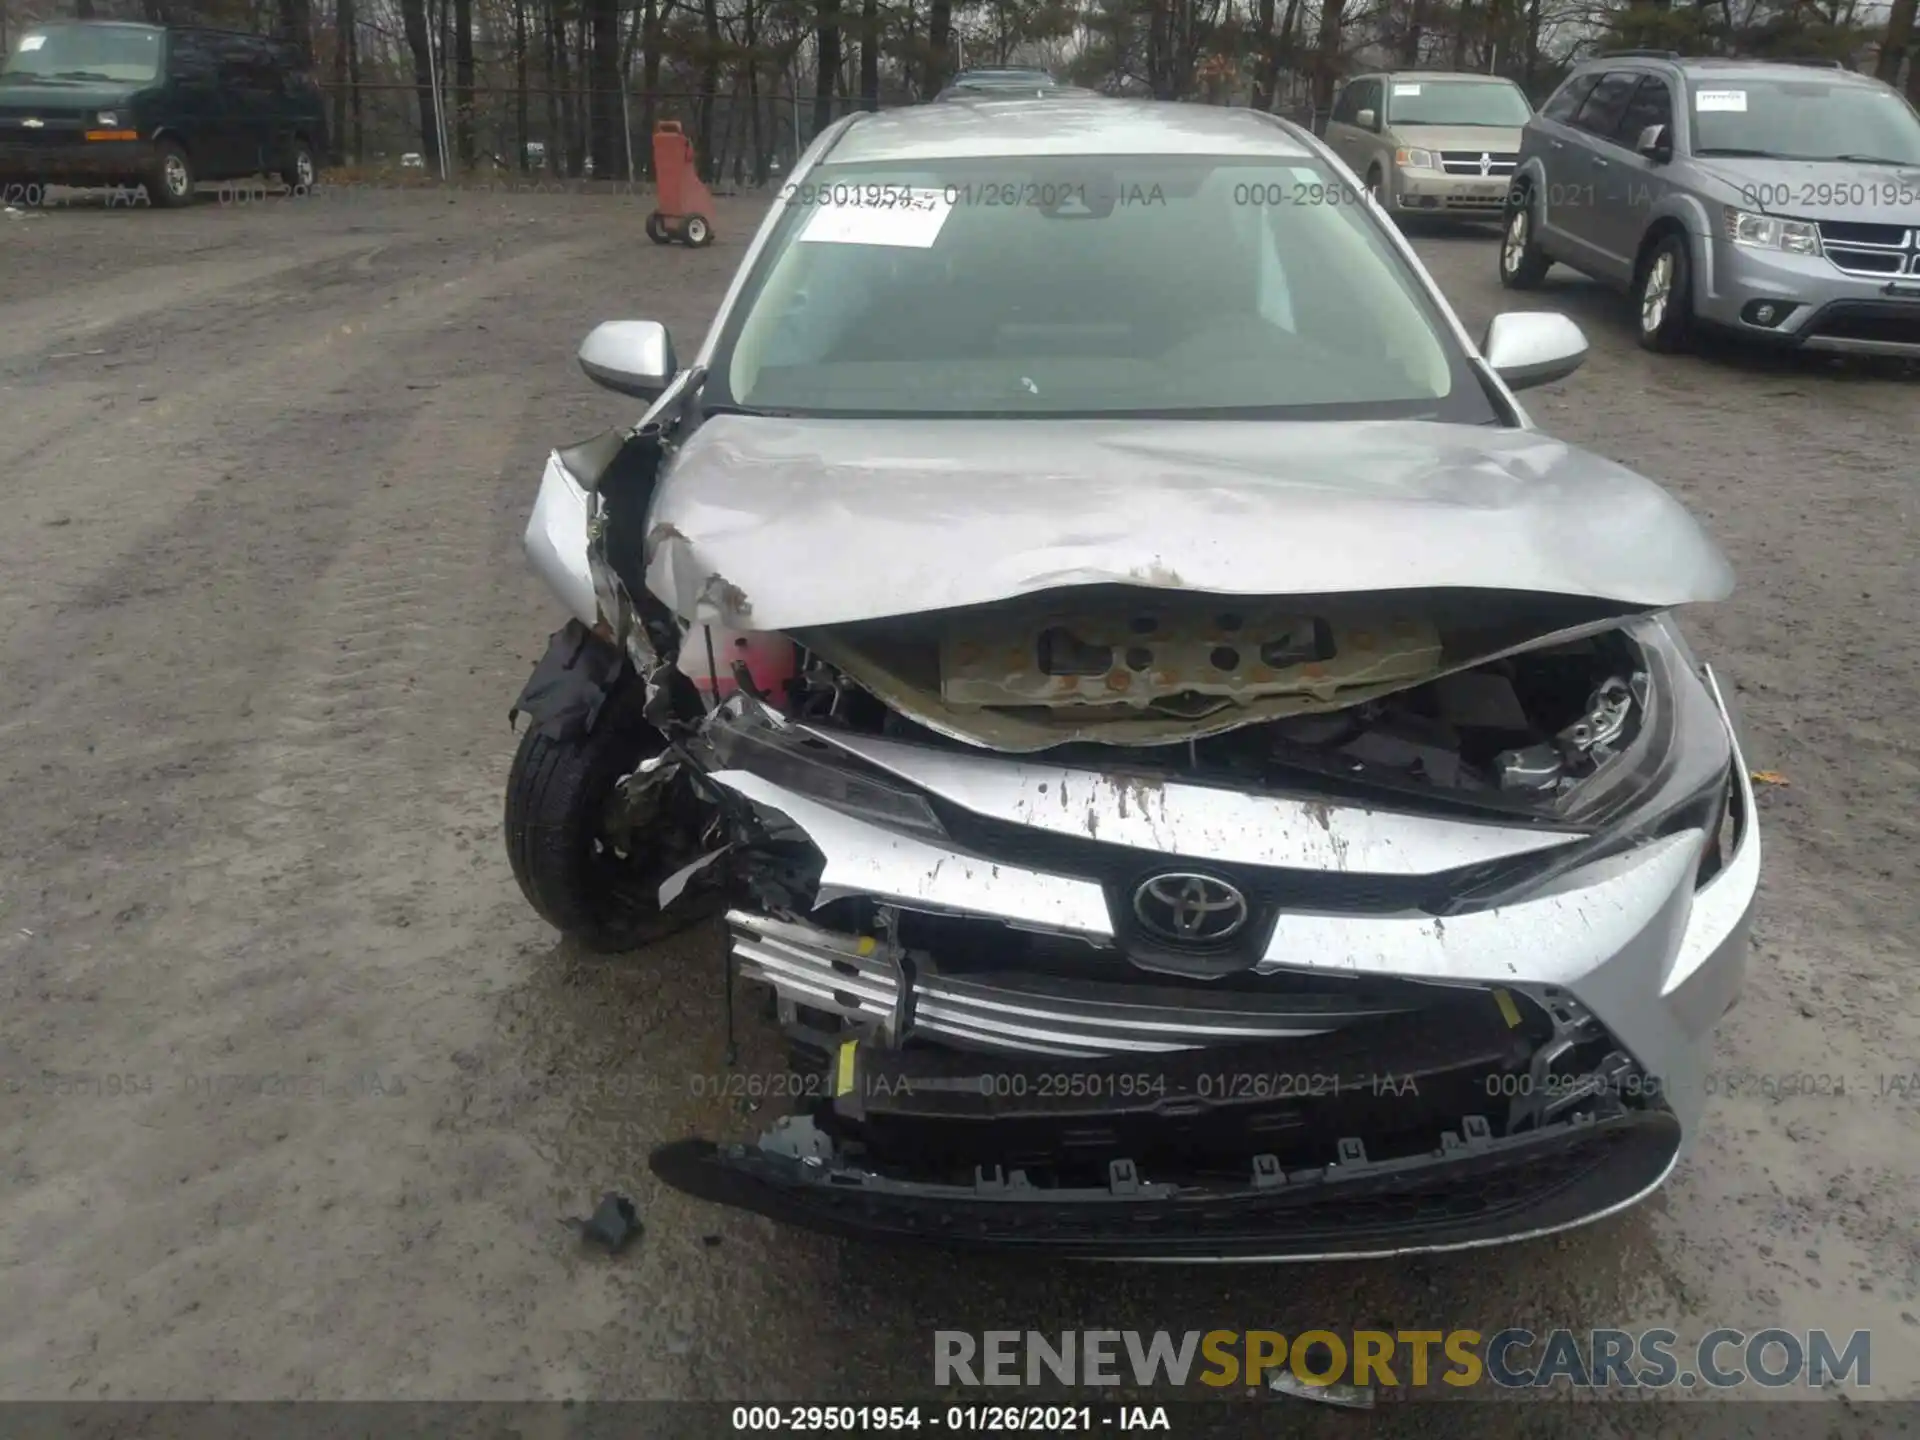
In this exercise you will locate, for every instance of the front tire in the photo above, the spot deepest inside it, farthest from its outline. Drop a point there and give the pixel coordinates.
(1523, 264)
(170, 180)
(1377, 187)
(567, 863)
(1663, 297)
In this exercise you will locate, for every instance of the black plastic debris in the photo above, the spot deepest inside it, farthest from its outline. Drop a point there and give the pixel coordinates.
(612, 1226)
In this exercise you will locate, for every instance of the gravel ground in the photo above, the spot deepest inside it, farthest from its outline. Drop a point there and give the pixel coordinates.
(326, 1086)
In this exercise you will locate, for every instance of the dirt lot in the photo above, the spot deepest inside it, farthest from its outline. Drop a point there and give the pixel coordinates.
(297, 1089)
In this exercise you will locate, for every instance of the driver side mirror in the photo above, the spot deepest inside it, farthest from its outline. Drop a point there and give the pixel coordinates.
(1533, 347)
(630, 357)
(1365, 119)
(1656, 144)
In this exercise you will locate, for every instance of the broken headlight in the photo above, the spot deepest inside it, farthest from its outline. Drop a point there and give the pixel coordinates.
(1672, 775)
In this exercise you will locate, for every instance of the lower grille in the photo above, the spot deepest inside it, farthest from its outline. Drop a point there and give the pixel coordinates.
(855, 978)
(1878, 322)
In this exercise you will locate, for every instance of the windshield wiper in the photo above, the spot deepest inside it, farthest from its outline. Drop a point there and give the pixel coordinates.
(79, 75)
(1736, 152)
(1879, 160)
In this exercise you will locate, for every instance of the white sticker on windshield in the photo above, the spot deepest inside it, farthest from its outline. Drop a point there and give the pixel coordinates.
(32, 42)
(909, 218)
(1406, 90)
(1706, 100)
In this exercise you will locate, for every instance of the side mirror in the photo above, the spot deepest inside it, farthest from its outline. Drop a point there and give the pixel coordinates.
(1533, 347)
(1655, 144)
(631, 357)
(1365, 118)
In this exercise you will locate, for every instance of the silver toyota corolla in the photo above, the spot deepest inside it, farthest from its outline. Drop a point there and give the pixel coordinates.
(1200, 775)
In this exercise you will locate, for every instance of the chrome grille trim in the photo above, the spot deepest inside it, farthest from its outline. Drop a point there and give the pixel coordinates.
(827, 970)
(1847, 245)
(1467, 162)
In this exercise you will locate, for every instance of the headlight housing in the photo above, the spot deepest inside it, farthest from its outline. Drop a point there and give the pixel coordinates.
(1674, 775)
(1415, 159)
(1770, 232)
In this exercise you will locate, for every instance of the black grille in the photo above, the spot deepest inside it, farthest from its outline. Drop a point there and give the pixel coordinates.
(1885, 322)
(1467, 162)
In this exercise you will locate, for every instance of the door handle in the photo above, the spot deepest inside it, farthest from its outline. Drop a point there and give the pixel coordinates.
(1598, 163)
(1559, 144)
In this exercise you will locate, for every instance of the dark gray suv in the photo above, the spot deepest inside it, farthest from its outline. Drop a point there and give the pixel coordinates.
(1779, 201)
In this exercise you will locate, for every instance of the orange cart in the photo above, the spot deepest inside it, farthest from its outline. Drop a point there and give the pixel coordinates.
(685, 207)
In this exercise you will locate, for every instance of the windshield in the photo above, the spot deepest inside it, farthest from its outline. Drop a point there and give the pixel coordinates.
(1808, 119)
(122, 53)
(1054, 286)
(1457, 102)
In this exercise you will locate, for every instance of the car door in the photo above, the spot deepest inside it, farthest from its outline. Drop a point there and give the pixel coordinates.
(1339, 128)
(1592, 187)
(1552, 131)
(1369, 105)
(196, 106)
(1626, 199)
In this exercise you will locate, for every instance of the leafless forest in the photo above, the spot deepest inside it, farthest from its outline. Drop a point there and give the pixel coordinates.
(754, 79)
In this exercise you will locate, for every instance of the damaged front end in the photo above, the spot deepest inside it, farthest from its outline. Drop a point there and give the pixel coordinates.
(1125, 914)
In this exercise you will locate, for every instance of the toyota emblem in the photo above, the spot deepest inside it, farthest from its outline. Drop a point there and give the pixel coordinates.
(1486, 163)
(1191, 909)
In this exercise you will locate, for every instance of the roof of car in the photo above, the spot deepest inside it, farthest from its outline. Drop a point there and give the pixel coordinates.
(1063, 126)
(1442, 76)
(1724, 67)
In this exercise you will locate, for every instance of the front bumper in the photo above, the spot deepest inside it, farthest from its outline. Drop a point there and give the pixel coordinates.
(1824, 309)
(1376, 1080)
(1421, 192)
(74, 162)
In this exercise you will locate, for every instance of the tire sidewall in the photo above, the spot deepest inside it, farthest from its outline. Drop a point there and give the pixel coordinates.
(158, 191)
(1671, 334)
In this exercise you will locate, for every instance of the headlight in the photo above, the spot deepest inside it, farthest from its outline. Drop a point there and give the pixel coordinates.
(1770, 232)
(1415, 160)
(1673, 775)
(108, 120)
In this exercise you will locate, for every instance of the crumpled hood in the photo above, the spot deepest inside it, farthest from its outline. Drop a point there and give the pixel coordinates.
(777, 524)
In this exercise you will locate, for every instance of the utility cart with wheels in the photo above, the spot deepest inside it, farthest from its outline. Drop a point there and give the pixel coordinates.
(685, 207)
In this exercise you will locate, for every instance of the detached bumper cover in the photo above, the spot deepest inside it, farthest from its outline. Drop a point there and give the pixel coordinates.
(1470, 1190)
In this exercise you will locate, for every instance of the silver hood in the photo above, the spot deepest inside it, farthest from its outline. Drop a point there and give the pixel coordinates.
(777, 524)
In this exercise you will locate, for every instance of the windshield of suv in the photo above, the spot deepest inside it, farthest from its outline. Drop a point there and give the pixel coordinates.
(1076, 286)
(1456, 102)
(79, 53)
(1811, 119)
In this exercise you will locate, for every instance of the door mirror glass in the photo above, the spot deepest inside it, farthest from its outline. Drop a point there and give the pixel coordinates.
(630, 357)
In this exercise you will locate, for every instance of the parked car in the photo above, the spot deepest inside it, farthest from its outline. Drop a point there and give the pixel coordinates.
(93, 103)
(1431, 143)
(998, 84)
(413, 160)
(1776, 201)
(1199, 773)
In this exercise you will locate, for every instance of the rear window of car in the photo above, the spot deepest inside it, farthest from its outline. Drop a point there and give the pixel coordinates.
(1607, 105)
(1567, 99)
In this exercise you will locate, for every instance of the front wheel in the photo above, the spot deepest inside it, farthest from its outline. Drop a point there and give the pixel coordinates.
(170, 178)
(1523, 265)
(1663, 297)
(582, 862)
(300, 171)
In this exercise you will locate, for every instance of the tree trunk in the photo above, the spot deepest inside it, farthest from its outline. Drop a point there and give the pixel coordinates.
(709, 88)
(827, 43)
(1899, 38)
(1410, 38)
(1461, 22)
(296, 27)
(463, 78)
(343, 23)
(353, 82)
(1267, 53)
(649, 75)
(413, 15)
(752, 62)
(609, 155)
(939, 47)
(870, 54)
(520, 136)
(1326, 55)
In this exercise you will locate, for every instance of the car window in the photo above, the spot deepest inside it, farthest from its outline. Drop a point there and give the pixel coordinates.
(1567, 99)
(1370, 97)
(1804, 119)
(1056, 286)
(1607, 104)
(128, 53)
(189, 57)
(1457, 102)
(1345, 107)
(1652, 104)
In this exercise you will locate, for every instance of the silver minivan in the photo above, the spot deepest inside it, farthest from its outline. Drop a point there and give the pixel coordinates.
(1429, 142)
